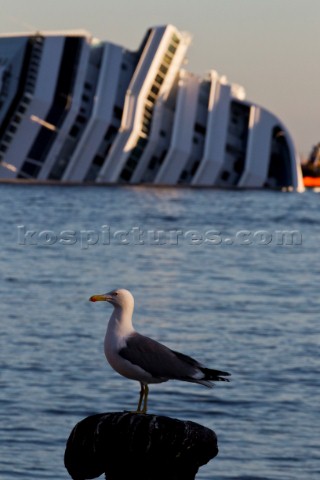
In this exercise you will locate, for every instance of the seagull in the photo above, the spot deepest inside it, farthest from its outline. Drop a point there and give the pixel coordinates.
(143, 359)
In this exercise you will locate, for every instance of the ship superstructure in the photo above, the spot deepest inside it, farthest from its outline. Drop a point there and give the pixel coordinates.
(75, 109)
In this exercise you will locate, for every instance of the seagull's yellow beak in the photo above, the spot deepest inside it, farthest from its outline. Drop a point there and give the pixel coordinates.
(100, 298)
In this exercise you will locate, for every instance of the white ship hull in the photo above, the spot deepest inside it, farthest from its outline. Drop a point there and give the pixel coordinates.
(78, 110)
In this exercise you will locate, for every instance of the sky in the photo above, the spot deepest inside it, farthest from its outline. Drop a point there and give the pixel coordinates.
(270, 47)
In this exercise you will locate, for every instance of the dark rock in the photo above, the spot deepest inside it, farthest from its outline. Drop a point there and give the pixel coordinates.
(130, 445)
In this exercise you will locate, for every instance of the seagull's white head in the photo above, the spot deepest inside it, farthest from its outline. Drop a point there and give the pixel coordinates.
(118, 298)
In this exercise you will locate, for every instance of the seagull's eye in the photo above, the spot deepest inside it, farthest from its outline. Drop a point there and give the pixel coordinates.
(115, 294)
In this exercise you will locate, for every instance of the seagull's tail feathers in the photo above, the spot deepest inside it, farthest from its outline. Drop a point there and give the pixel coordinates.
(211, 375)
(200, 374)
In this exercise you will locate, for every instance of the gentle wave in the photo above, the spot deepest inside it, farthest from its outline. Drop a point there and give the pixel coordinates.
(249, 309)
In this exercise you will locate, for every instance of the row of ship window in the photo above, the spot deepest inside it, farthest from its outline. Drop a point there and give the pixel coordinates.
(138, 150)
(29, 89)
(136, 153)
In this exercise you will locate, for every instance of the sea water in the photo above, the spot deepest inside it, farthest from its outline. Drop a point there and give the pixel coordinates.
(229, 277)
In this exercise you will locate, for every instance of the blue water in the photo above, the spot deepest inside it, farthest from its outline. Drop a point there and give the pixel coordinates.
(212, 277)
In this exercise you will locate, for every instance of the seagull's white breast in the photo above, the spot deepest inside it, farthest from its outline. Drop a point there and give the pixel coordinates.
(114, 341)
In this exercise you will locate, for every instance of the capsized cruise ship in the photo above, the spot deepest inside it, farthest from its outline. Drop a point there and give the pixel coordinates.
(76, 109)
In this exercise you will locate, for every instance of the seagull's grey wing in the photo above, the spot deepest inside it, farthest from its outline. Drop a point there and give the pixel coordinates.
(157, 359)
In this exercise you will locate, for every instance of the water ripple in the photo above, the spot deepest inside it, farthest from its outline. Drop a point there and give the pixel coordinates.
(250, 310)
